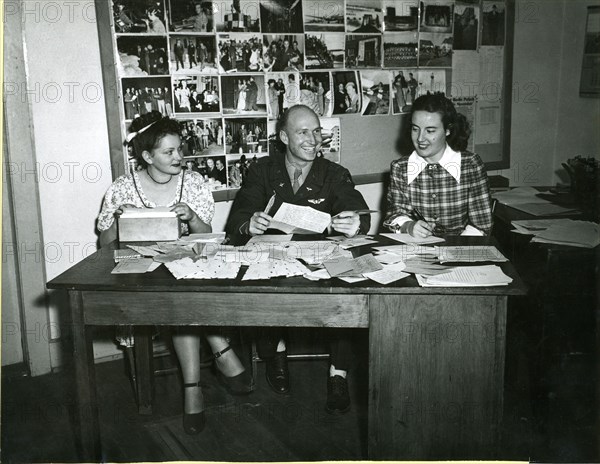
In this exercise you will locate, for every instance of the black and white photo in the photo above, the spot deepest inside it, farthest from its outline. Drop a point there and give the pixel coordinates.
(237, 16)
(243, 94)
(246, 136)
(435, 49)
(142, 56)
(323, 16)
(364, 16)
(400, 49)
(325, 51)
(375, 86)
(145, 94)
(363, 51)
(400, 15)
(193, 54)
(346, 92)
(196, 94)
(466, 26)
(281, 16)
(239, 52)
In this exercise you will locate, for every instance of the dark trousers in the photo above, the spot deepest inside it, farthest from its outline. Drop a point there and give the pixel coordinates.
(340, 346)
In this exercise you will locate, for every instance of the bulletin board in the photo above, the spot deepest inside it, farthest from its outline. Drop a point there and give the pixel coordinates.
(227, 69)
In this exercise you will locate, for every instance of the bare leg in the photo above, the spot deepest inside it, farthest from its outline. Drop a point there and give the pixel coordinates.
(228, 363)
(187, 348)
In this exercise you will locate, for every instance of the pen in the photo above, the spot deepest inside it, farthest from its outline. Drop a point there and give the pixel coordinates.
(360, 212)
(419, 216)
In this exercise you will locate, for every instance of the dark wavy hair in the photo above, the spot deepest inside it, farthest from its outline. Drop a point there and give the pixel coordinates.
(150, 138)
(453, 121)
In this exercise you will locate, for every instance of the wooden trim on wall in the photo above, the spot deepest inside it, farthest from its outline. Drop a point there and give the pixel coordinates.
(25, 199)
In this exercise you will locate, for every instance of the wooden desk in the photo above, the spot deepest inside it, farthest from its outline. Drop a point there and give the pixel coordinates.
(436, 355)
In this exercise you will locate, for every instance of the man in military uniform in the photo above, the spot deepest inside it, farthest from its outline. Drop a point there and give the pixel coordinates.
(300, 177)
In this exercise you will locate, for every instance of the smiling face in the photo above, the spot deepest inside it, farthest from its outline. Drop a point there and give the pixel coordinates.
(301, 135)
(166, 157)
(428, 135)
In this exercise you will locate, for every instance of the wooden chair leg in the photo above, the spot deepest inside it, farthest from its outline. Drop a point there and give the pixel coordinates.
(144, 369)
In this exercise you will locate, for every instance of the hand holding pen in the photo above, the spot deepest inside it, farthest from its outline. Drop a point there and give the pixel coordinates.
(421, 227)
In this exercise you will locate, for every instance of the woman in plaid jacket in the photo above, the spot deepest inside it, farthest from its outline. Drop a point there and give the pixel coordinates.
(440, 188)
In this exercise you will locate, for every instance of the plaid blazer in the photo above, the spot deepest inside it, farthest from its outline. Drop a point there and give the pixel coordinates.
(440, 198)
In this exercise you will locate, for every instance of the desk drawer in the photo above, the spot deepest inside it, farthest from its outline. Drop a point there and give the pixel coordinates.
(234, 309)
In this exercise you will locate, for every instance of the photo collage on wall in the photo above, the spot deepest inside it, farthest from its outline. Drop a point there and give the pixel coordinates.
(228, 69)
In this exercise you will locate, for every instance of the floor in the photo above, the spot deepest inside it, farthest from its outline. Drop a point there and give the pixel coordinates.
(549, 416)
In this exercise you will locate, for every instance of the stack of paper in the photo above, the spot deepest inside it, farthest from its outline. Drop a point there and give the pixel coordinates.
(519, 195)
(347, 243)
(575, 233)
(470, 254)
(533, 226)
(467, 276)
(135, 266)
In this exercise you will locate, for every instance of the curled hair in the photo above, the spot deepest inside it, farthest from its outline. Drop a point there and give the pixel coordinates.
(453, 121)
(150, 138)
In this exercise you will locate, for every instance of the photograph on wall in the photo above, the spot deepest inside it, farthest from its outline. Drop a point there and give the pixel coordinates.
(142, 56)
(437, 16)
(144, 94)
(133, 16)
(432, 81)
(191, 16)
(237, 16)
(246, 136)
(589, 85)
(281, 16)
(364, 16)
(196, 94)
(435, 49)
(288, 88)
(375, 86)
(213, 168)
(315, 92)
(320, 16)
(243, 94)
(346, 97)
(404, 90)
(331, 146)
(400, 49)
(283, 52)
(193, 54)
(325, 51)
(238, 165)
(363, 51)
(400, 15)
(202, 136)
(238, 52)
(466, 26)
(493, 23)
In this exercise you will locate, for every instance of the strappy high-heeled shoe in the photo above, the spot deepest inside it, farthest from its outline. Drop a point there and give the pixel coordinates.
(241, 384)
(194, 423)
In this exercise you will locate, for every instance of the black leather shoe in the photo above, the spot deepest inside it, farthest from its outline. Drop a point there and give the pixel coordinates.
(193, 423)
(278, 376)
(241, 384)
(338, 399)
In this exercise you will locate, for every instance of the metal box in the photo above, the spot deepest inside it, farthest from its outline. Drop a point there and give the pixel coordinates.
(148, 225)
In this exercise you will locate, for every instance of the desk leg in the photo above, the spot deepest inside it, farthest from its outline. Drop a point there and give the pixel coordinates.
(436, 376)
(85, 382)
(144, 369)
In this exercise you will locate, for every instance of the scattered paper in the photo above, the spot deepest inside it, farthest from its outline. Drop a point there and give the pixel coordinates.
(407, 251)
(347, 243)
(270, 238)
(388, 274)
(339, 266)
(275, 268)
(213, 237)
(519, 195)
(148, 251)
(388, 258)
(133, 266)
(187, 268)
(407, 238)
(543, 209)
(352, 280)
(319, 274)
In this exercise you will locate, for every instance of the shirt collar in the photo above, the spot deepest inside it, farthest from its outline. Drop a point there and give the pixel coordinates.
(450, 161)
(290, 168)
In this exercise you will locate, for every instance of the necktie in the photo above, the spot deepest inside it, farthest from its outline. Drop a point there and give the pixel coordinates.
(296, 184)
